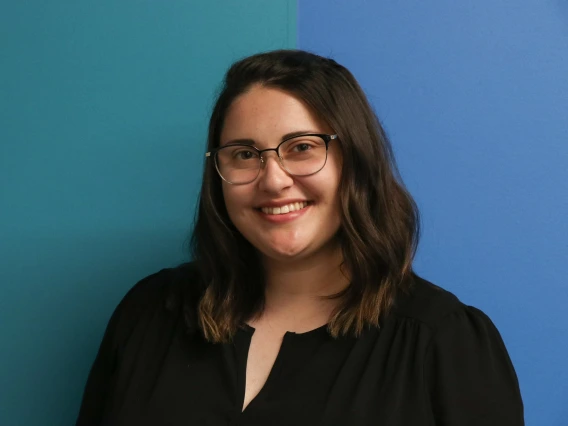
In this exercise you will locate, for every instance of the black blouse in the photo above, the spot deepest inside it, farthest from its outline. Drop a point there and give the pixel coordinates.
(434, 361)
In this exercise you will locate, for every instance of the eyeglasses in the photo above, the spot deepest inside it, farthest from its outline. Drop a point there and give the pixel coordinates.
(302, 155)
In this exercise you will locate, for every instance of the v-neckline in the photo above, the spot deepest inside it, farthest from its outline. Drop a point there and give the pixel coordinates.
(243, 363)
(289, 339)
(318, 330)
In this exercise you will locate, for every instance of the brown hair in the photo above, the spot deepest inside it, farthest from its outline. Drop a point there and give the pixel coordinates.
(379, 219)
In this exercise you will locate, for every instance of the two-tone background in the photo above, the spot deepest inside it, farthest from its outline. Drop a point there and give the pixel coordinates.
(103, 111)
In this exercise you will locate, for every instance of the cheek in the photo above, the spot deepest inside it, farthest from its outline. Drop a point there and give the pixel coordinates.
(231, 200)
(328, 182)
(236, 197)
(332, 182)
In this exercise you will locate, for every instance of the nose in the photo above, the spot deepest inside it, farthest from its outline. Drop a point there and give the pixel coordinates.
(273, 178)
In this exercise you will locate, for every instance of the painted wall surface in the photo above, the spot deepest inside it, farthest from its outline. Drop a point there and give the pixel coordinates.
(474, 96)
(103, 110)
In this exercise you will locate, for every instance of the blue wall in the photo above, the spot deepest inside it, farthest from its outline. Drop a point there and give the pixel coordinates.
(103, 109)
(474, 96)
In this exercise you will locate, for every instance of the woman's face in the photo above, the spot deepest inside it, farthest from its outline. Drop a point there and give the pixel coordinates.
(265, 115)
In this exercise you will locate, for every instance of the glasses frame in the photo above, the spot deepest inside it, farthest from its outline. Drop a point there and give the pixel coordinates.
(326, 138)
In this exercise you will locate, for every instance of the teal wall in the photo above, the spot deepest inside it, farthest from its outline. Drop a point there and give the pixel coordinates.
(103, 109)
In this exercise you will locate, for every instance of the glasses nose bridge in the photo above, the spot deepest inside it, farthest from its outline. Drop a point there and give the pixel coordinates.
(262, 157)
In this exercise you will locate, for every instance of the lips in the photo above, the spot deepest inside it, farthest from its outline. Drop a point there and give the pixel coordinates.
(277, 214)
(280, 203)
(287, 208)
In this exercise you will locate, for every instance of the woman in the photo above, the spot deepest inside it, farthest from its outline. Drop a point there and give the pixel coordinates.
(301, 306)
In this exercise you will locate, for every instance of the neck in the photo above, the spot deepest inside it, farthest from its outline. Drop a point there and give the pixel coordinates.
(295, 291)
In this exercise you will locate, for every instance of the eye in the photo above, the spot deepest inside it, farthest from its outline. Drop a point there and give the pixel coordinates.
(301, 147)
(240, 153)
(244, 155)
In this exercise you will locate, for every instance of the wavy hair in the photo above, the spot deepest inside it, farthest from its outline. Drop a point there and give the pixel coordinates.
(379, 228)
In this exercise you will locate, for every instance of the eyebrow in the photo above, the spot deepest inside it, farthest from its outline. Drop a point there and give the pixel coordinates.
(286, 136)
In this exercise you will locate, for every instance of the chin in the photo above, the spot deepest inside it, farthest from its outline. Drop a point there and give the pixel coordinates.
(283, 253)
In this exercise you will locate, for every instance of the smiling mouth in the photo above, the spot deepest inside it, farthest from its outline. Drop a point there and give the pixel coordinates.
(288, 208)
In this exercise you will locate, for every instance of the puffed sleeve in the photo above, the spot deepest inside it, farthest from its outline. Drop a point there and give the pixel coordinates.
(469, 376)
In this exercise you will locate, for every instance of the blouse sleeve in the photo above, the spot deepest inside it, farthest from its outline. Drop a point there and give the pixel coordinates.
(469, 376)
(100, 382)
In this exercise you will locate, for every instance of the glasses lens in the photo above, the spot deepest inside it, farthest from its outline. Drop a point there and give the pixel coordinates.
(304, 155)
(238, 163)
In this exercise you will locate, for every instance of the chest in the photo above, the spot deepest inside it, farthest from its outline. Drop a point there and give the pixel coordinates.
(262, 354)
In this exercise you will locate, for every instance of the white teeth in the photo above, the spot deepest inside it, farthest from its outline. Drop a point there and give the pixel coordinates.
(285, 209)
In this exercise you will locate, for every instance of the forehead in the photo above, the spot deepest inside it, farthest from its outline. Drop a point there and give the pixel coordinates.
(265, 114)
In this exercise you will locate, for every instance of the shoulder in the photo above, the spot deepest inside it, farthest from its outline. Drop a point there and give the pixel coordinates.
(468, 376)
(166, 286)
(447, 323)
(431, 305)
(165, 292)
